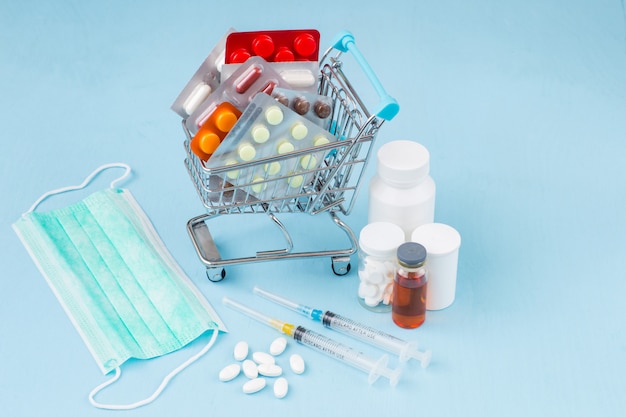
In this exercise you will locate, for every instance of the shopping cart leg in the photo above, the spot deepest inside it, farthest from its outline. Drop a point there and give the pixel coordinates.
(205, 247)
(341, 263)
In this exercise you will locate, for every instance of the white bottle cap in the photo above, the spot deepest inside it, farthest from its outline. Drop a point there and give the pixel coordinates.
(381, 238)
(442, 244)
(403, 162)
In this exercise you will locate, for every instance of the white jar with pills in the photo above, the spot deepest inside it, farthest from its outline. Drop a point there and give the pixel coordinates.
(378, 243)
(402, 191)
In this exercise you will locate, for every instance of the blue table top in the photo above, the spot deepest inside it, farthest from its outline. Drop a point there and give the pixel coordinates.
(522, 109)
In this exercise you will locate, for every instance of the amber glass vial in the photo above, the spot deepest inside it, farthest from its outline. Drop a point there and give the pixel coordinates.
(409, 287)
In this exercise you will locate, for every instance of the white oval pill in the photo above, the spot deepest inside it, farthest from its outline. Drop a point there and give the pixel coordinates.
(250, 369)
(259, 184)
(262, 357)
(278, 346)
(308, 162)
(281, 387)
(299, 131)
(260, 133)
(296, 363)
(235, 172)
(372, 302)
(320, 140)
(272, 168)
(199, 93)
(274, 115)
(246, 152)
(367, 290)
(254, 385)
(295, 181)
(241, 351)
(284, 147)
(298, 78)
(230, 372)
(269, 369)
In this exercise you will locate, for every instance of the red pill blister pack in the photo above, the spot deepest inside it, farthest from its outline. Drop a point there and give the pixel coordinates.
(273, 45)
(254, 76)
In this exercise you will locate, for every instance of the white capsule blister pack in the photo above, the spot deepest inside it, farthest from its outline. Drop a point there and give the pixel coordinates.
(262, 368)
(252, 77)
(204, 81)
(280, 143)
(301, 75)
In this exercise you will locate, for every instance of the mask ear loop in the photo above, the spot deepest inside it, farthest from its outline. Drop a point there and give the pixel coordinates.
(85, 183)
(158, 391)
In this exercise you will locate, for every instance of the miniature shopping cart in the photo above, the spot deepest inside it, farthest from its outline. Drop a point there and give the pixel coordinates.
(331, 187)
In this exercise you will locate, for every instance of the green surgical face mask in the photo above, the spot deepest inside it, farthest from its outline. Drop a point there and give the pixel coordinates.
(116, 280)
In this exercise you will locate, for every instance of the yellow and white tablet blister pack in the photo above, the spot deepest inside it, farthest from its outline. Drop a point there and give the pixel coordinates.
(274, 152)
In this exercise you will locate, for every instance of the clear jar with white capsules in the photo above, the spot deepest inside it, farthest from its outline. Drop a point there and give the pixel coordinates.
(378, 242)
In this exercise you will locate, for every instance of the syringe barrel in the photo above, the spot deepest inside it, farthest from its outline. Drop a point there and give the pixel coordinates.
(363, 332)
(335, 349)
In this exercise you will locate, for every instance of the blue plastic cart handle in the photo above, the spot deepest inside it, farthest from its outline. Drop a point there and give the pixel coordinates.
(388, 107)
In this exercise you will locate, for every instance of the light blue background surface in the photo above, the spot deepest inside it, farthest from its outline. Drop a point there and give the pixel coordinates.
(523, 107)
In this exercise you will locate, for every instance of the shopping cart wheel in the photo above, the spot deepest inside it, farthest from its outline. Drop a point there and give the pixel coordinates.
(341, 265)
(215, 274)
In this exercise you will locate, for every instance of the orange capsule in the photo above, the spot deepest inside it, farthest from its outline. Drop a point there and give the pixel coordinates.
(214, 130)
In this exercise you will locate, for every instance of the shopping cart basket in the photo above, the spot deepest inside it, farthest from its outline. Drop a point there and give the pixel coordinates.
(331, 187)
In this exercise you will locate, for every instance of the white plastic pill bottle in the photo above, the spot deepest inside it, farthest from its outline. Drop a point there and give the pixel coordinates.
(402, 191)
(442, 242)
(378, 243)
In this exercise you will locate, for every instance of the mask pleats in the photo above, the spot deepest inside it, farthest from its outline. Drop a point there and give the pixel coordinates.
(119, 287)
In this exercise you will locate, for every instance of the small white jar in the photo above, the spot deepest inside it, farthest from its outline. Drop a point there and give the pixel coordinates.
(442, 243)
(402, 191)
(378, 243)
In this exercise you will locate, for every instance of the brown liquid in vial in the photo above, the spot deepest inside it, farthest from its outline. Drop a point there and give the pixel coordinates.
(409, 300)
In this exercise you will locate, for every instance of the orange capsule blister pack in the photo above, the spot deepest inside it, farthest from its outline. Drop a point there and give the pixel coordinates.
(254, 76)
(214, 130)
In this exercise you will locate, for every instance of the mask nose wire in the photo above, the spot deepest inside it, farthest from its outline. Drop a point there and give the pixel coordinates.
(85, 182)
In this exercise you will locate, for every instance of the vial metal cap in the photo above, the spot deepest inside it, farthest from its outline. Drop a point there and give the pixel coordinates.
(411, 254)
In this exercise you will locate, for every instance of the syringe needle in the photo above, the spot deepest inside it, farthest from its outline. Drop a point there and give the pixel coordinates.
(281, 326)
(277, 299)
(298, 308)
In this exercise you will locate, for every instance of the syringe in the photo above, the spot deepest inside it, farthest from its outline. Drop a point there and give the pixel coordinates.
(375, 368)
(405, 350)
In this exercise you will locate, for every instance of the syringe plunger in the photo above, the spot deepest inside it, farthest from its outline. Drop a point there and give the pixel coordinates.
(410, 350)
(374, 367)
